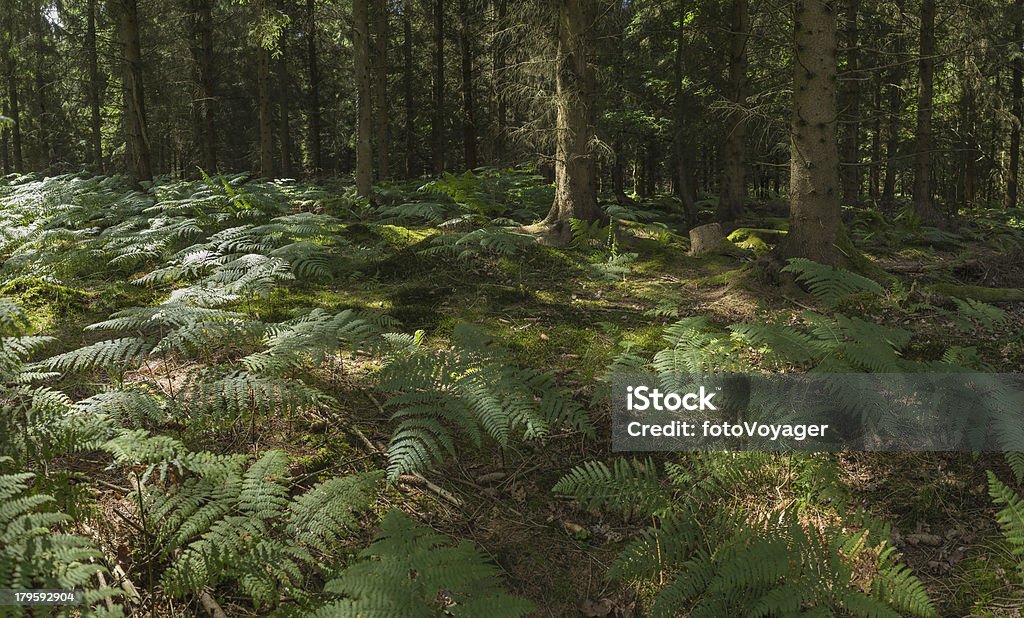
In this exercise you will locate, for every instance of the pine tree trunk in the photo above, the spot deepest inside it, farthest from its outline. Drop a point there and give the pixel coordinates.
(43, 120)
(284, 130)
(11, 69)
(95, 120)
(575, 188)
(364, 104)
(734, 181)
(814, 216)
(1017, 88)
(266, 116)
(850, 95)
(499, 75)
(468, 105)
(437, 132)
(201, 50)
(137, 155)
(892, 137)
(379, 84)
(407, 88)
(924, 204)
(312, 60)
(684, 190)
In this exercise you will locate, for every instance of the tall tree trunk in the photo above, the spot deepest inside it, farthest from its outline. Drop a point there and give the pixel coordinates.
(968, 121)
(468, 105)
(924, 204)
(201, 50)
(11, 69)
(892, 131)
(684, 190)
(437, 132)
(849, 104)
(874, 174)
(137, 157)
(499, 75)
(95, 120)
(814, 215)
(266, 114)
(364, 101)
(284, 130)
(407, 88)
(734, 181)
(1017, 88)
(45, 156)
(315, 147)
(379, 67)
(575, 188)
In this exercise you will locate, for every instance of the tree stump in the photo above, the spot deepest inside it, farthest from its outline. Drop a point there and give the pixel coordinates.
(705, 239)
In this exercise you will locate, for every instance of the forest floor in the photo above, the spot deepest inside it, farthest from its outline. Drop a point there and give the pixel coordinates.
(553, 312)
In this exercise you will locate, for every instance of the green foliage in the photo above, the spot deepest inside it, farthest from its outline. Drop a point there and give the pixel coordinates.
(36, 554)
(712, 559)
(465, 393)
(411, 572)
(1010, 517)
(829, 284)
(217, 519)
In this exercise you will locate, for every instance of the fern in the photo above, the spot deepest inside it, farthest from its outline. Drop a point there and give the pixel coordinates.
(829, 284)
(34, 553)
(1010, 517)
(409, 571)
(470, 391)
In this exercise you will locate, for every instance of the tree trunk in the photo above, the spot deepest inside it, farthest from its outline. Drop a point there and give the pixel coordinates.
(1017, 88)
(814, 215)
(95, 120)
(364, 104)
(437, 133)
(468, 105)
(575, 190)
(11, 68)
(850, 95)
(43, 120)
(284, 130)
(137, 157)
(407, 87)
(379, 84)
(266, 117)
(892, 135)
(499, 74)
(201, 50)
(734, 181)
(684, 190)
(924, 204)
(315, 147)
(968, 112)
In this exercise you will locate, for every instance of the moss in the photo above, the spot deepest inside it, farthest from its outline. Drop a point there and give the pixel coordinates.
(755, 239)
(975, 292)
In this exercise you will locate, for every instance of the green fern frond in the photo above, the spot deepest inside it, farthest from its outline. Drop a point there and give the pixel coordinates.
(828, 283)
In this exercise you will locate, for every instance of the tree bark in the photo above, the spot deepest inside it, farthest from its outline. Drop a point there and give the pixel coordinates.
(850, 94)
(201, 50)
(734, 181)
(924, 204)
(379, 83)
(364, 103)
(684, 190)
(407, 88)
(499, 73)
(312, 60)
(892, 130)
(266, 117)
(814, 216)
(575, 189)
(468, 105)
(11, 68)
(43, 120)
(95, 120)
(137, 156)
(437, 132)
(1017, 88)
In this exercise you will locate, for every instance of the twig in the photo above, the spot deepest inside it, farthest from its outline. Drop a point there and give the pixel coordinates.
(211, 606)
